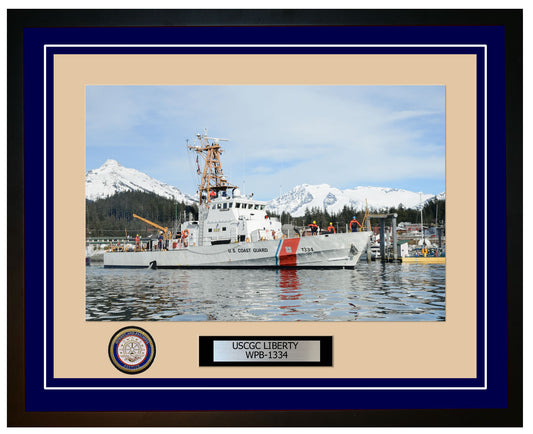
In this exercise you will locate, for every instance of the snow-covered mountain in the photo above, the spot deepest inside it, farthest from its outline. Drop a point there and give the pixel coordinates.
(111, 178)
(333, 200)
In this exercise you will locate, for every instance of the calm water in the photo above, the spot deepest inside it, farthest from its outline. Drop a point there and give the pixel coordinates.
(372, 292)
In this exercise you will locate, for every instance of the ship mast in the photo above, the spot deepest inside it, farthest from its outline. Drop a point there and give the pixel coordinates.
(213, 180)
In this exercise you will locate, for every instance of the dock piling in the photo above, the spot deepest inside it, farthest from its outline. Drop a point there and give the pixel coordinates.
(394, 238)
(382, 238)
(382, 218)
(368, 249)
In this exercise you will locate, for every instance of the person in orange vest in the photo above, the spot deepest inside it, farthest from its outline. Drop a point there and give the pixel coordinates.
(314, 228)
(354, 225)
(137, 241)
(331, 228)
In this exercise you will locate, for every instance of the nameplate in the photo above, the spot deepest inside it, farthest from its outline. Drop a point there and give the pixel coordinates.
(265, 351)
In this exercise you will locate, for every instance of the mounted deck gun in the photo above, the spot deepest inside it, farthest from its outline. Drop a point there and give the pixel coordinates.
(167, 235)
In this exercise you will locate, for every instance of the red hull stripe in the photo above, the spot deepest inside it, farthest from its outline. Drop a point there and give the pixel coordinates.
(287, 253)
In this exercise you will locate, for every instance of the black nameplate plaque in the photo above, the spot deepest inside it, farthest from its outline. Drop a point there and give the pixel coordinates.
(266, 351)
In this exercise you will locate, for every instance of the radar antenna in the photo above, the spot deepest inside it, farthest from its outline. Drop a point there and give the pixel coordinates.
(213, 180)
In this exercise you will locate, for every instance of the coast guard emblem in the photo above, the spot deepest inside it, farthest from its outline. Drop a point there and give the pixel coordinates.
(132, 350)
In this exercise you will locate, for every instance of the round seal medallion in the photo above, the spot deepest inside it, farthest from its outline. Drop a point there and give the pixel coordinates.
(132, 350)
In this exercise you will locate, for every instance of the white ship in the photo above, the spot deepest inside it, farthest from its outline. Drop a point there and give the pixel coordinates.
(234, 231)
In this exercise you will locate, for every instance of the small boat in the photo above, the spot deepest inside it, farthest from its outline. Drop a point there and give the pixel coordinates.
(234, 231)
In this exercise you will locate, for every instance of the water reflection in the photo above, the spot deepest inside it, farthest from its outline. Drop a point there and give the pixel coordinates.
(289, 285)
(372, 292)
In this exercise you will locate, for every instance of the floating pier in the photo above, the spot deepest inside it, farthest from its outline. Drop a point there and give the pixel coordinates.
(395, 257)
(423, 260)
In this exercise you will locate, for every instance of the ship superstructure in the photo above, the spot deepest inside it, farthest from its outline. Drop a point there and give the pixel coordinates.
(225, 215)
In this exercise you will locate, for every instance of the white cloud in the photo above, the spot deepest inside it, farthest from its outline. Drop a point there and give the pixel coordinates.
(340, 135)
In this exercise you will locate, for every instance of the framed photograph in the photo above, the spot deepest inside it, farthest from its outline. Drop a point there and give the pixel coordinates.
(248, 216)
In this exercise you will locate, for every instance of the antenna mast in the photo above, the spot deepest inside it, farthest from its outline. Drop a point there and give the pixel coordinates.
(213, 179)
(422, 220)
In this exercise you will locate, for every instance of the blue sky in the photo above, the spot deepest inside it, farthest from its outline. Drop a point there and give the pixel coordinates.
(344, 136)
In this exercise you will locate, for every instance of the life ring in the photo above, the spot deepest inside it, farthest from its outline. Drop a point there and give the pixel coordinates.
(247, 240)
(284, 236)
(185, 243)
(185, 233)
(174, 244)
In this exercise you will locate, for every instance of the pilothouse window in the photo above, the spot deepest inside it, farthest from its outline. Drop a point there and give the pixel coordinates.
(250, 205)
(237, 205)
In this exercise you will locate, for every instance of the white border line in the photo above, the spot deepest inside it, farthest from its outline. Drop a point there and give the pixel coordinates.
(484, 46)
(265, 45)
(44, 219)
(485, 275)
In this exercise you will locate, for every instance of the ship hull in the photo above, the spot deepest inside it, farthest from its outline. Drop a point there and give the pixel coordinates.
(323, 251)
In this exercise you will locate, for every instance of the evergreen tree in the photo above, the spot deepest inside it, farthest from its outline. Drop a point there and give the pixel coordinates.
(113, 216)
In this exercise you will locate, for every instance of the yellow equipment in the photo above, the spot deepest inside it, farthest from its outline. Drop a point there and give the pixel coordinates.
(167, 235)
(365, 217)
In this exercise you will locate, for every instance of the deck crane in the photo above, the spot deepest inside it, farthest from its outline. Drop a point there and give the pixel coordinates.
(365, 219)
(167, 235)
